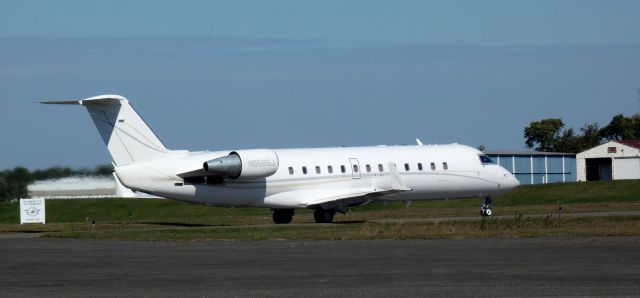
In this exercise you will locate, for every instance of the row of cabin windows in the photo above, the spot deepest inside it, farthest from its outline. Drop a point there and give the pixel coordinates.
(343, 169)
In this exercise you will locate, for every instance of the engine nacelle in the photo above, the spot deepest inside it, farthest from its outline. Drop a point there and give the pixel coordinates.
(244, 164)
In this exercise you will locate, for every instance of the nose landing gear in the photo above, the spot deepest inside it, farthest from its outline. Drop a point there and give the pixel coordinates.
(485, 208)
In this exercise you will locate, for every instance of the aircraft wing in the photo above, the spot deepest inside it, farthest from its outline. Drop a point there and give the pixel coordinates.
(328, 198)
(350, 197)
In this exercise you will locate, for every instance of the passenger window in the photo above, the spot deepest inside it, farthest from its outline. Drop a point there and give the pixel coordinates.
(380, 168)
(330, 169)
(368, 169)
(304, 170)
(406, 167)
(355, 168)
(317, 170)
(433, 166)
(445, 166)
(343, 169)
(290, 170)
(419, 166)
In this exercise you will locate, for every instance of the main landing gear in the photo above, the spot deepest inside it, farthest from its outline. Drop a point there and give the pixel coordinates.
(282, 216)
(324, 215)
(485, 208)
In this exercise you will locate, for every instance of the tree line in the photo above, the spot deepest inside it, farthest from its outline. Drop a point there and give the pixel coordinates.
(550, 135)
(13, 183)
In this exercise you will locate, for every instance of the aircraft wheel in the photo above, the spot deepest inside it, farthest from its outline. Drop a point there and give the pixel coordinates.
(282, 216)
(324, 215)
(485, 208)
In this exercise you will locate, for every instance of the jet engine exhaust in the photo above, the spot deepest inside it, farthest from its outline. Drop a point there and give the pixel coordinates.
(244, 164)
(228, 166)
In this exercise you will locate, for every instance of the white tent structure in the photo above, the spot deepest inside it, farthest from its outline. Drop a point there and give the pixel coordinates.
(83, 188)
(615, 160)
(73, 187)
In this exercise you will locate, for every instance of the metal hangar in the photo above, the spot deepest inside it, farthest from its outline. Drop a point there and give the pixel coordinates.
(533, 167)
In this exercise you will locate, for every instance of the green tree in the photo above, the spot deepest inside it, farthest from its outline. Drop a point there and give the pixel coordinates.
(542, 135)
(622, 128)
(567, 142)
(103, 170)
(4, 187)
(635, 125)
(13, 183)
(591, 136)
(547, 135)
(52, 173)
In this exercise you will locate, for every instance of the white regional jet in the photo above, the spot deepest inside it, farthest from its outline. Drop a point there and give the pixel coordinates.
(324, 179)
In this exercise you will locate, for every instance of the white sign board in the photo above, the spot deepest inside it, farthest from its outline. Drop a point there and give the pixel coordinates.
(32, 210)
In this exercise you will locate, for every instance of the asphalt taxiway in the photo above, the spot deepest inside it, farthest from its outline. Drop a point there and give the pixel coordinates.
(34, 267)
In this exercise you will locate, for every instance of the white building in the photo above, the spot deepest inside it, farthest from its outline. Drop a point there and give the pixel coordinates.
(615, 160)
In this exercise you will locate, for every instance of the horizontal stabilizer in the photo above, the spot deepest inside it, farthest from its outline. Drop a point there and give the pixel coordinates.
(61, 102)
(96, 100)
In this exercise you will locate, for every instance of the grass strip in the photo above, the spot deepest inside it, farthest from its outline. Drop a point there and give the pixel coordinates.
(513, 227)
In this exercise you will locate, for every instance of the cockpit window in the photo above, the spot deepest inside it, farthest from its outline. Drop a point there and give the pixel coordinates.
(485, 159)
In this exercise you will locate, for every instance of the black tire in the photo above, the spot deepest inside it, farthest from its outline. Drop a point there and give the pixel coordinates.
(488, 212)
(324, 215)
(282, 216)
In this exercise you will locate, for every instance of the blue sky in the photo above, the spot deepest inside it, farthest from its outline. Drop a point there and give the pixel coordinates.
(250, 74)
(449, 22)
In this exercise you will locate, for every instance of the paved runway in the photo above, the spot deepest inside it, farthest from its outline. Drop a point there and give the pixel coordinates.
(470, 267)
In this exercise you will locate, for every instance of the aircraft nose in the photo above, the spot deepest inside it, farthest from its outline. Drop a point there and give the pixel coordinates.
(511, 182)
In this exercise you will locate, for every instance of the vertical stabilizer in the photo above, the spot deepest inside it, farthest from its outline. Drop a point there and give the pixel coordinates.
(128, 138)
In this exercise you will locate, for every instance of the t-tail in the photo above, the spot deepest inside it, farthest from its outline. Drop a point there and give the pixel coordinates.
(128, 138)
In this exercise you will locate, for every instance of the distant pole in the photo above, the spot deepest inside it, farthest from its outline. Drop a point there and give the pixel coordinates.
(638, 90)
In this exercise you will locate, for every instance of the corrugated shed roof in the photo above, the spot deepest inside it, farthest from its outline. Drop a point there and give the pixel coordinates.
(630, 143)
